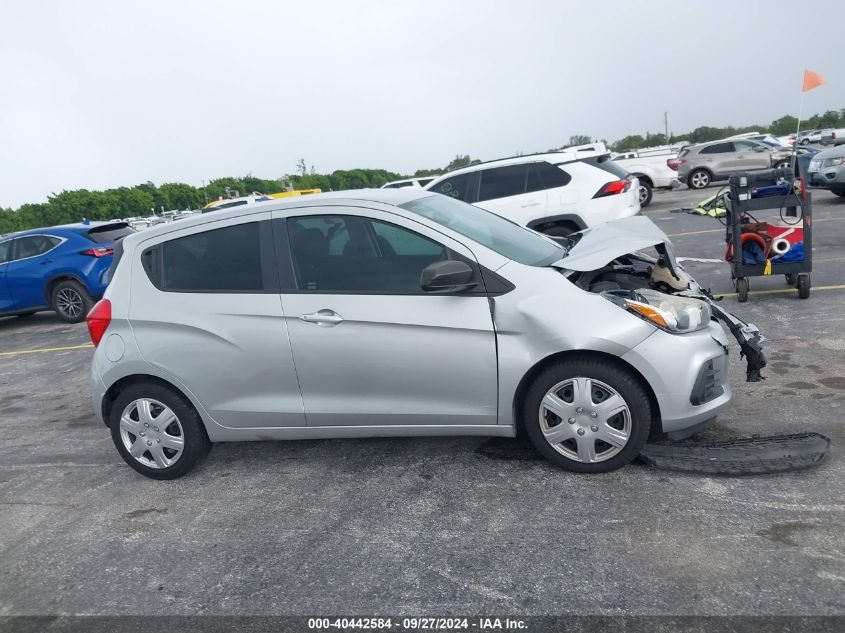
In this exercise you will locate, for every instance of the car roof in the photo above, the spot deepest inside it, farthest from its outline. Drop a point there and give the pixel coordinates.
(77, 227)
(556, 158)
(393, 197)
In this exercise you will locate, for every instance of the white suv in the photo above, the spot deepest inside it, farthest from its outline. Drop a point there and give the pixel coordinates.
(556, 193)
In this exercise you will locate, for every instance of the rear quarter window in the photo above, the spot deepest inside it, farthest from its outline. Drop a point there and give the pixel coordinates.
(232, 259)
(605, 164)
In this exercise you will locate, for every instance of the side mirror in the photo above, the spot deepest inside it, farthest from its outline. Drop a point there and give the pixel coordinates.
(447, 276)
(757, 148)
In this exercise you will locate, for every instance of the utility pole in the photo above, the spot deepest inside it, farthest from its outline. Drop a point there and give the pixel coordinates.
(666, 125)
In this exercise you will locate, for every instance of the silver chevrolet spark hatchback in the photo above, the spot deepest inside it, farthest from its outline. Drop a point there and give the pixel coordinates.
(398, 313)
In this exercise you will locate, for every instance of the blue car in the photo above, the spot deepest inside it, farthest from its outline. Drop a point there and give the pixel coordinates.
(62, 268)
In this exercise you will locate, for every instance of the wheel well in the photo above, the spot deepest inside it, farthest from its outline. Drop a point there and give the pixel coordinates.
(704, 169)
(645, 179)
(568, 225)
(531, 374)
(128, 381)
(48, 289)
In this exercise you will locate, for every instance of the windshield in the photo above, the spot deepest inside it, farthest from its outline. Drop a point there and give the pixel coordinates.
(495, 232)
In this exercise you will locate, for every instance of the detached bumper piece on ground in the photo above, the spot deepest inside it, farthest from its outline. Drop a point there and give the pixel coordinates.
(746, 456)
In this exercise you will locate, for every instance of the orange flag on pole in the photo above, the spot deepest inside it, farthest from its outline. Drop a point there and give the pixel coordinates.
(812, 80)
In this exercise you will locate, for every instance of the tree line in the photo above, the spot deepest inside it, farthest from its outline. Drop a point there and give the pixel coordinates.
(147, 198)
(779, 127)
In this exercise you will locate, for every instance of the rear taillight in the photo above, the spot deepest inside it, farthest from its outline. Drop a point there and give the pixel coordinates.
(613, 188)
(98, 320)
(98, 252)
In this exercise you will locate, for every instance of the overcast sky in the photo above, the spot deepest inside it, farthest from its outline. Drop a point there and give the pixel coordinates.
(99, 94)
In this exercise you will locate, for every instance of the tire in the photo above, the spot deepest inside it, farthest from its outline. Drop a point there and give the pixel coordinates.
(71, 301)
(645, 194)
(742, 289)
(699, 179)
(628, 428)
(783, 164)
(163, 459)
(791, 279)
(803, 285)
(805, 141)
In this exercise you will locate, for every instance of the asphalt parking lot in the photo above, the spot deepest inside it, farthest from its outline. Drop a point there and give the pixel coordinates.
(434, 526)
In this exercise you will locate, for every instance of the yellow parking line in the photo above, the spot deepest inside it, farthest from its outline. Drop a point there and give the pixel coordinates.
(780, 291)
(47, 349)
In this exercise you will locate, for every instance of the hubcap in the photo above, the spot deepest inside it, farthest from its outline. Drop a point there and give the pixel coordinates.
(643, 194)
(69, 302)
(151, 433)
(602, 420)
(700, 180)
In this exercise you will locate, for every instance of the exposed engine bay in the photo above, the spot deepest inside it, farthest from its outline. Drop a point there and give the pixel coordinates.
(657, 288)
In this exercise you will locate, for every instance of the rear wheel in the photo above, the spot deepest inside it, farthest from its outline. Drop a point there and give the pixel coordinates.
(645, 194)
(699, 179)
(586, 414)
(157, 432)
(71, 301)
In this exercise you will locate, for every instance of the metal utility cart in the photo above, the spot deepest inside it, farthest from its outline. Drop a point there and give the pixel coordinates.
(740, 205)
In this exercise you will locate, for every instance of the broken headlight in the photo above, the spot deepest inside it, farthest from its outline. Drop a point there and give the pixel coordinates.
(673, 314)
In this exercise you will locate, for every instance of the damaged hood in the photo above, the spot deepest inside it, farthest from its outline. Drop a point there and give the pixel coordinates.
(601, 244)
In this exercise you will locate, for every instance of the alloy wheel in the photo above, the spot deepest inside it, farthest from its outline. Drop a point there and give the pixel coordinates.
(69, 302)
(700, 180)
(585, 420)
(151, 433)
(643, 193)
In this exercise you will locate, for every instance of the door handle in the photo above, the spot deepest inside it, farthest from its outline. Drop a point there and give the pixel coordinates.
(47, 261)
(323, 318)
(530, 204)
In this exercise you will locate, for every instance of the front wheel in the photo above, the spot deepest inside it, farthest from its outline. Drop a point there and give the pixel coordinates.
(645, 194)
(742, 288)
(699, 179)
(157, 432)
(586, 414)
(71, 301)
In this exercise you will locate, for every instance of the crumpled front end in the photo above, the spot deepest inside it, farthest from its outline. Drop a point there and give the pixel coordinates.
(606, 260)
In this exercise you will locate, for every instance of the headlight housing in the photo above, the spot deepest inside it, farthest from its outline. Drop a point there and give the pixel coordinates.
(833, 162)
(672, 314)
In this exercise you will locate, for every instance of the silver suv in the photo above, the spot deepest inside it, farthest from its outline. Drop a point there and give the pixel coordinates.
(400, 312)
(827, 170)
(700, 165)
